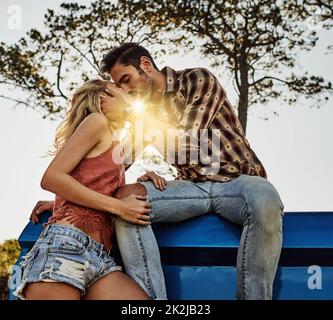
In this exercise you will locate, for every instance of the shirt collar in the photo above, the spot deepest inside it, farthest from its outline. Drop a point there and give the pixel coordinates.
(170, 79)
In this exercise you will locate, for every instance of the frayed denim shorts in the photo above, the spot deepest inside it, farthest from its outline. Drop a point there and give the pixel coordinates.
(65, 254)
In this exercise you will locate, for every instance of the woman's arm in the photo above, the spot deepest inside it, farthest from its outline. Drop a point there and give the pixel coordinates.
(58, 180)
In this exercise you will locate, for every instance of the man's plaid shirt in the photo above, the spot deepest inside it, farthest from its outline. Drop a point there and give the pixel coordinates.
(195, 100)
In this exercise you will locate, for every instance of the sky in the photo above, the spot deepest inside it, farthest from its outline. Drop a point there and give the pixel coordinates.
(295, 147)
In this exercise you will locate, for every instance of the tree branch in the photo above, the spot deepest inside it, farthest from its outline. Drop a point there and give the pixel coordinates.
(91, 40)
(12, 84)
(269, 77)
(59, 76)
(15, 100)
(82, 55)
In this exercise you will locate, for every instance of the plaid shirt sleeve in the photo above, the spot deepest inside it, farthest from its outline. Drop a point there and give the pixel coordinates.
(204, 97)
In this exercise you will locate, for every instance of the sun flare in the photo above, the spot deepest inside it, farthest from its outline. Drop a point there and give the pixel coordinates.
(138, 106)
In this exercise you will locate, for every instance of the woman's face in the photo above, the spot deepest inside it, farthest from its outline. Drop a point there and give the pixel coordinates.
(112, 106)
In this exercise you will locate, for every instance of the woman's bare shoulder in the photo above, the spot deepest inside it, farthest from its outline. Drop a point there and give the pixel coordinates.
(94, 122)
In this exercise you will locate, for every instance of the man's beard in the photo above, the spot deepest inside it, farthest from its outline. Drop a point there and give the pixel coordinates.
(145, 94)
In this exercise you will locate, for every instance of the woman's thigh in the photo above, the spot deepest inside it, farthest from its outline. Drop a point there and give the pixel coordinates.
(51, 291)
(115, 286)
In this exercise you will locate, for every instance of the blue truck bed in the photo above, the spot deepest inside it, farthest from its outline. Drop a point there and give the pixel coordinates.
(199, 256)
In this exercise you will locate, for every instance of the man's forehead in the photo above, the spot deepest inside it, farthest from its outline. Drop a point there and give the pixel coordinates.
(119, 70)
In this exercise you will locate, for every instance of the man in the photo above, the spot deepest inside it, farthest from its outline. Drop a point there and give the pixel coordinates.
(232, 184)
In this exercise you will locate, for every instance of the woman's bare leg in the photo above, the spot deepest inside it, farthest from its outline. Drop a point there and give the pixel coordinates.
(115, 286)
(51, 291)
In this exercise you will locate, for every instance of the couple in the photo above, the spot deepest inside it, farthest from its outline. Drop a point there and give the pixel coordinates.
(71, 258)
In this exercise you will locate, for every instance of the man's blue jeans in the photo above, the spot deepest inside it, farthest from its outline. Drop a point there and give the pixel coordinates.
(250, 201)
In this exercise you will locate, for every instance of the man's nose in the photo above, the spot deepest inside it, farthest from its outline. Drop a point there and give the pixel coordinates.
(128, 89)
(125, 87)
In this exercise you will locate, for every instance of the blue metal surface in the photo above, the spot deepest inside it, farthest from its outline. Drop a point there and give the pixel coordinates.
(199, 255)
(301, 230)
(219, 283)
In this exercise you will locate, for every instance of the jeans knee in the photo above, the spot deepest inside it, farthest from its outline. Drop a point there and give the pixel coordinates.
(120, 224)
(266, 208)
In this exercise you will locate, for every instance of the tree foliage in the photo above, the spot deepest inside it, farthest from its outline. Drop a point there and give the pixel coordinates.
(256, 41)
(47, 64)
(9, 253)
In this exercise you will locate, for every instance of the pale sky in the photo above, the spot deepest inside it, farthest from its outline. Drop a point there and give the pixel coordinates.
(295, 147)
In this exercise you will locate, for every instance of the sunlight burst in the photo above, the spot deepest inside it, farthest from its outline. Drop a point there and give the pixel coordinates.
(138, 106)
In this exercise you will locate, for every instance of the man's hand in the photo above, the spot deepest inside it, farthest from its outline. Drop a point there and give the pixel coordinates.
(39, 208)
(158, 181)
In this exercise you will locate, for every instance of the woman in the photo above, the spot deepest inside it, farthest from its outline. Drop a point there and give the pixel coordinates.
(71, 259)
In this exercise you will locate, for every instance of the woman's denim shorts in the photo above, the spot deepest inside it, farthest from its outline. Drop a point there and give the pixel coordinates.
(65, 254)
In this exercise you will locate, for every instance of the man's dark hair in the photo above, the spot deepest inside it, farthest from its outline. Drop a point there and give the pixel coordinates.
(127, 54)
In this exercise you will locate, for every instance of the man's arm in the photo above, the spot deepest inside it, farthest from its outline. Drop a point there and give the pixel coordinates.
(40, 207)
(150, 131)
(204, 96)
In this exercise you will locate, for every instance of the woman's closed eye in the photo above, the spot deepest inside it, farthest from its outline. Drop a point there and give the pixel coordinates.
(108, 93)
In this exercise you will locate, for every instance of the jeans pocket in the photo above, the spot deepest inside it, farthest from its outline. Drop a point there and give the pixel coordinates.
(44, 240)
(66, 245)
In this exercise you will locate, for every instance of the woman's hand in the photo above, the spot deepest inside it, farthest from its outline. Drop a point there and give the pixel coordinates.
(117, 91)
(158, 181)
(135, 209)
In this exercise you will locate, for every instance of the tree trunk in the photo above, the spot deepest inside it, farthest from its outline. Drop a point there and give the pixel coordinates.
(243, 105)
(243, 93)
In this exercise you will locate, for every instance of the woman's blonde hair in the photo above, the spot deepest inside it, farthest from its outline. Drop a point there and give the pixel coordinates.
(85, 101)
